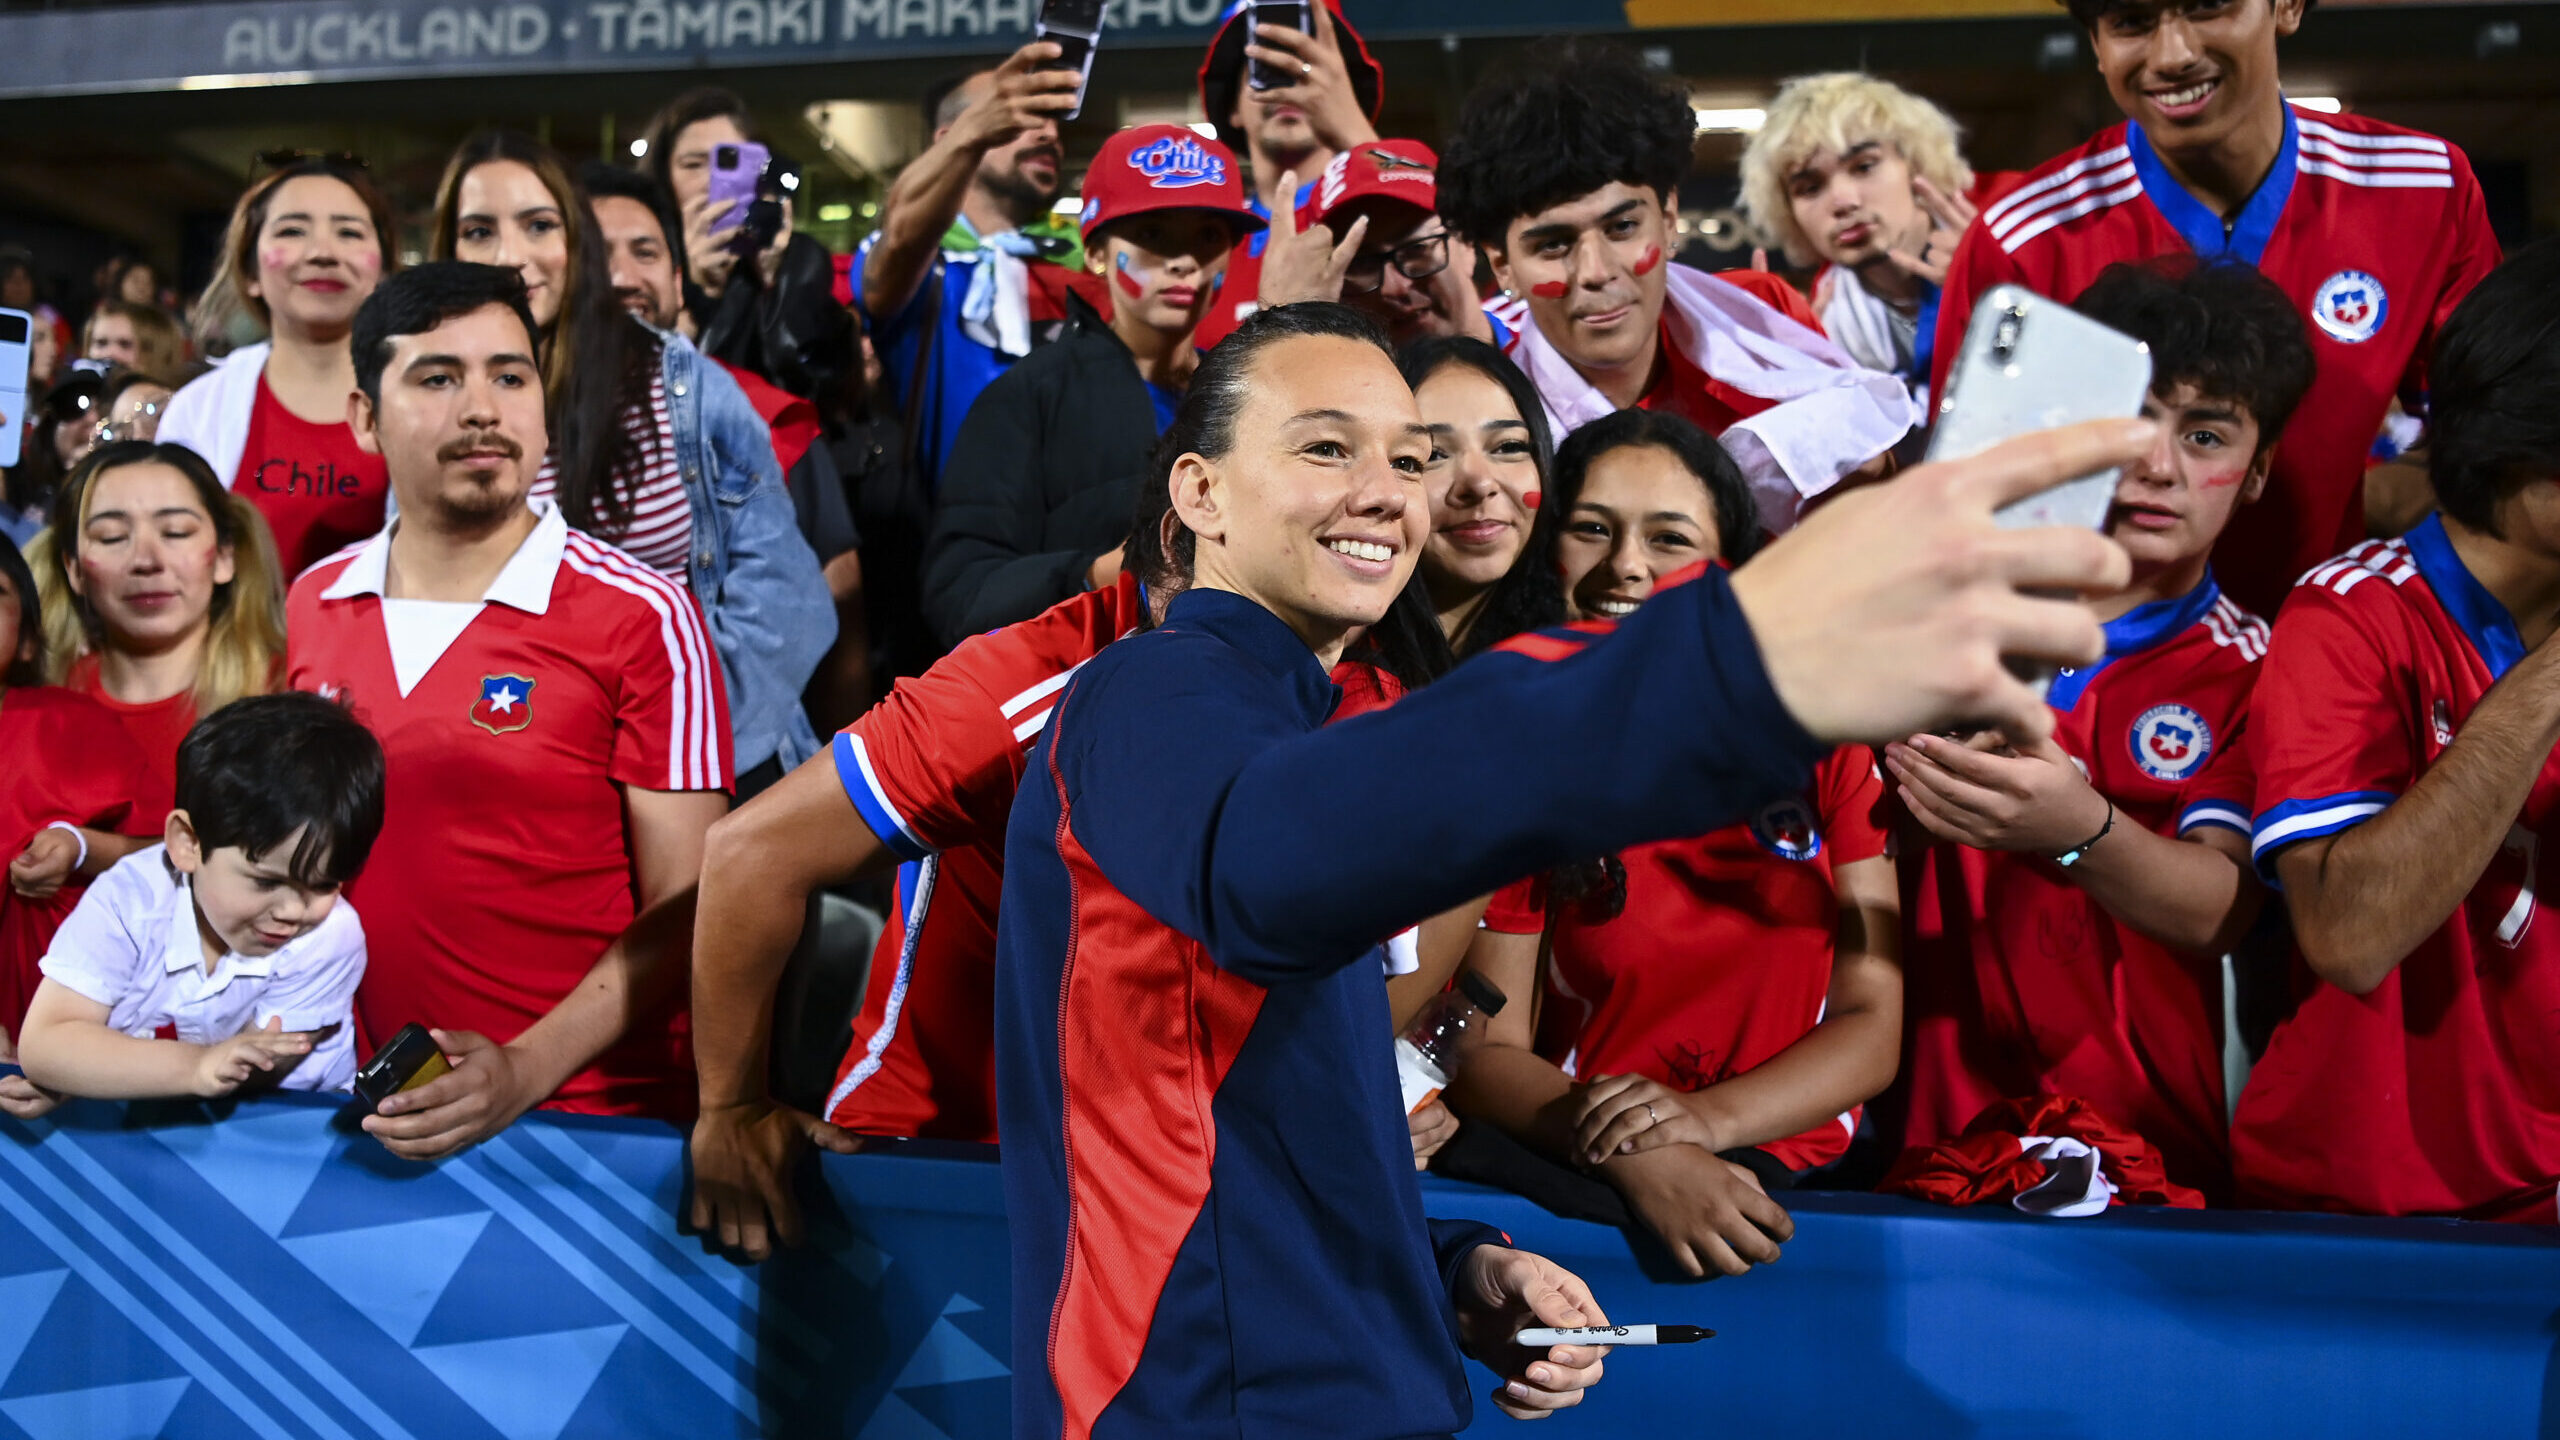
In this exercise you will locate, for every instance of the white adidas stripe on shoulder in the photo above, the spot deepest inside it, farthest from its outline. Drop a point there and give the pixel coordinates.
(2237, 629)
(2353, 140)
(2377, 179)
(2034, 190)
(2125, 186)
(2313, 147)
(693, 742)
(2387, 558)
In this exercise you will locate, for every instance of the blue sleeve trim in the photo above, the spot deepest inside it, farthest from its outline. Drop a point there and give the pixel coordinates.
(862, 787)
(2220, 814)
(1452, 1241)
(2293, 821)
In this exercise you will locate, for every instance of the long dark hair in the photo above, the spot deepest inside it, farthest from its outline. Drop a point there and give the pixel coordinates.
(597, 361)
(1517, 601)
(1406, 642)
(25, 665)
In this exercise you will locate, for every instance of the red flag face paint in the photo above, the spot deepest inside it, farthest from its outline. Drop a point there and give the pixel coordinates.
(1129, 284)
(1549, 289)
(1649, 261)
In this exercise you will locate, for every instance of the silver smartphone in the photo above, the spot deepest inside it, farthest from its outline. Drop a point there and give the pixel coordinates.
(2032, 363)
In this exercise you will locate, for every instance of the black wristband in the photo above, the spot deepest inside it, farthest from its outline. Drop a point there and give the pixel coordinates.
(2072, 856)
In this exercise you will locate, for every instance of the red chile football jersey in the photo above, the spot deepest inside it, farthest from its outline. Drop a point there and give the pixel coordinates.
(504, 866)
(2017, 983)
(2438, 1093)
(932, 770)
(1722, 957)
(2376, 232)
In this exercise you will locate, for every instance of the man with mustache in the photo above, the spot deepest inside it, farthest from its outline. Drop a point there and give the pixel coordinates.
(951, 285)
(2375, 231)
(554, 727)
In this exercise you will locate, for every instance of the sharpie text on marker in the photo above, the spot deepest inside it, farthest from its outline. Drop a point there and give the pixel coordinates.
(1616, 1335)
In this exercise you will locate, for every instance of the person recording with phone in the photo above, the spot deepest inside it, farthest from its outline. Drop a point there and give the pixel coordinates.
(954, 285)
(654, 450)
(759, 294)
(1289, 85)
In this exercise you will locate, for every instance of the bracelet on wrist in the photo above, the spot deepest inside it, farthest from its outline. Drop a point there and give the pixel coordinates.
(76, 835)
(2076, 853)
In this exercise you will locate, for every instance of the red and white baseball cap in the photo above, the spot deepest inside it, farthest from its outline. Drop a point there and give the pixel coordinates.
(1163, 167)
(1404, 171)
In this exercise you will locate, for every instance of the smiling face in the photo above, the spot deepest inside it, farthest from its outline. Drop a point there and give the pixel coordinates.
(1591, 270)
(149, 558)
(2192, 73)
(1483, 482)
(505, 215)
(1163, 267)
(460, 425)
(317, 255)
(1318, 511)
(643, 270)
(2171, 505)
(246, 903)
(1641, 516)
(1857, 205)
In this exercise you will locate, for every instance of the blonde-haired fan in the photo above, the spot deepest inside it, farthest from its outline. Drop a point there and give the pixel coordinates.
(1863, 177)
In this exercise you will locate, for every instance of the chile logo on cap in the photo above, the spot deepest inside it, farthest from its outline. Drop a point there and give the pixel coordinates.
(1176, 163)
(2350, 305)
(2170, 742)
(506, 704)
(1788, 829)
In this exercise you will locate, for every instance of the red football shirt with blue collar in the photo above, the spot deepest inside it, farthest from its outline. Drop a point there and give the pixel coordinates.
(932, 769)
(2439, 1092)
(504, 866)
(2018, 983)
(2375, 232)
(1722, 956)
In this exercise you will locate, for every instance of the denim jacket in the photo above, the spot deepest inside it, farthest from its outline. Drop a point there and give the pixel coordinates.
(755, 578)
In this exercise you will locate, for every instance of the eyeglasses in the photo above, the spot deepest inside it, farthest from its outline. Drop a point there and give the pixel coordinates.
(1417, 259)
(272, 160)
(142, 424)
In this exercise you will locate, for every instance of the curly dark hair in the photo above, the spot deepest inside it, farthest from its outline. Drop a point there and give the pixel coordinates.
(2493, 406)
(2218, 325)
(1554, 131)
(2090, 12)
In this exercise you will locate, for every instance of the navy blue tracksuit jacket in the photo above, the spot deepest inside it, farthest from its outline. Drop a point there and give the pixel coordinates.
(1216, 1227)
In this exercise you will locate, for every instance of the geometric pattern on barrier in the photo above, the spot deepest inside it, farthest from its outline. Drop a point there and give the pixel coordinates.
(275, 1273)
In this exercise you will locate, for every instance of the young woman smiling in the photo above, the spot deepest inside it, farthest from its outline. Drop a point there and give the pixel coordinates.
(652, 448)
(307, 244)
(1489, 464)
(1708, 1013)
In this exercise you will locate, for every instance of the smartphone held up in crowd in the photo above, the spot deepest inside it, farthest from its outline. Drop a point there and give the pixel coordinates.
(16, 349)
(1295, 15)
(2031, 363)
(1075, 27)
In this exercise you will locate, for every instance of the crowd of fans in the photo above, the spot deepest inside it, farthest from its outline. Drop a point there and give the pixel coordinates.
(590, 527)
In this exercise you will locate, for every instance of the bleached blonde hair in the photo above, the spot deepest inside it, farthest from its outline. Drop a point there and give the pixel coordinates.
(1833, 112)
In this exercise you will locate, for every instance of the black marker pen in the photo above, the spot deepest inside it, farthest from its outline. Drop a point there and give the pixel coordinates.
(1616, 1335)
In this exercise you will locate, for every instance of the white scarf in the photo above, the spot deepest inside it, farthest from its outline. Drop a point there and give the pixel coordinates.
(1832, 416)
(996, 310)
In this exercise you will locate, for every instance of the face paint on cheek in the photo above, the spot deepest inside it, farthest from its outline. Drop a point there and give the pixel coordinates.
(1128, 283)
(1529, 500)
(1649, 261)
(276, 259)
(2223, 479)
(1548, 289)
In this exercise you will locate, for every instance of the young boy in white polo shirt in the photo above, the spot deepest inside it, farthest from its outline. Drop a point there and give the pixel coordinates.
(221, 960)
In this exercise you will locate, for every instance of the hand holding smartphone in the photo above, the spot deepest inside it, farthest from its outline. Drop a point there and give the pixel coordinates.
(2030, 363)
(1075, 27)
(405, 1062)
(736, 170)
(1295, 15)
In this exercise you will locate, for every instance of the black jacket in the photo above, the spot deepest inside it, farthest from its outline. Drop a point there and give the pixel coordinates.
(1042, 480)
(793, 334)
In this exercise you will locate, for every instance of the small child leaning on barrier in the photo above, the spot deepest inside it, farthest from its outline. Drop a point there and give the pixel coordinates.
(220, 960)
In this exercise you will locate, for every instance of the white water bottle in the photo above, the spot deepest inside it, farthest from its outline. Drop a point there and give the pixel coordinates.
(1429, 1054)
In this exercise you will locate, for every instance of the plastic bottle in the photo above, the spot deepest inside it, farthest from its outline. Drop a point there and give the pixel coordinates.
(1454, 1022)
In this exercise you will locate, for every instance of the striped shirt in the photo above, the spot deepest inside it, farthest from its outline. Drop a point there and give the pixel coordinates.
(658, 532)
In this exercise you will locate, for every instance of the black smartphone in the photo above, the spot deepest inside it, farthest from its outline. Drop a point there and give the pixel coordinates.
(764, 213)
(406, 1061)
(1288, 14)
(1075, 27)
